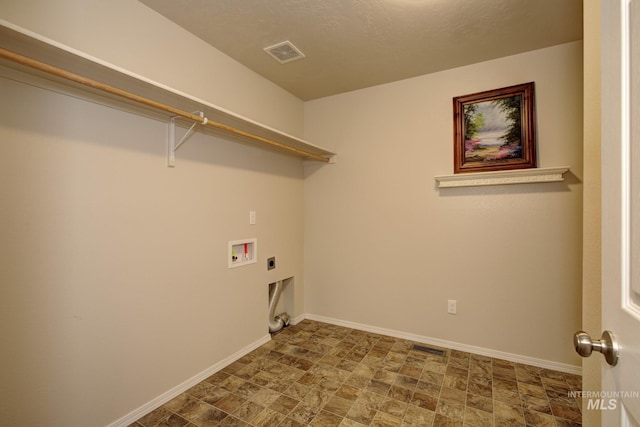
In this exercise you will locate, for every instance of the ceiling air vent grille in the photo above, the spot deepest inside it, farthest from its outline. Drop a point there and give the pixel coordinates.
(284, 52)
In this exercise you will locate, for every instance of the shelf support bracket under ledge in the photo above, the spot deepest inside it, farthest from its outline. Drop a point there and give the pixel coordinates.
(172, 146)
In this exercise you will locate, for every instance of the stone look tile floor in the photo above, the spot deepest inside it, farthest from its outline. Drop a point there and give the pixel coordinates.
(316, 374)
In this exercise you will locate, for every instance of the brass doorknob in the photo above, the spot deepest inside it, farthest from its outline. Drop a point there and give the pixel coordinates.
(607, 345)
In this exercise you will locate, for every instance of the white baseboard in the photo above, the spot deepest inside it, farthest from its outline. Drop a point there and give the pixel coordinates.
(298, 319)
(541, 363)
(186, 385)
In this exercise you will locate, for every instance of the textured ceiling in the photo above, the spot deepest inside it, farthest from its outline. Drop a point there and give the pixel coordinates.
(352, 44)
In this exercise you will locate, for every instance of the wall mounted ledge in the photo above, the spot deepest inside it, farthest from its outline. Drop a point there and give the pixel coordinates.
(517, 176)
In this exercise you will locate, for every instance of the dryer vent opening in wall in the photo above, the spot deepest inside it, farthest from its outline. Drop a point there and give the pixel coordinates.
(429, 350)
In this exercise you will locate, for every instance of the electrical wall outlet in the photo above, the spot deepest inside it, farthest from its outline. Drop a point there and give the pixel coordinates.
(271, 263)
(451, 306)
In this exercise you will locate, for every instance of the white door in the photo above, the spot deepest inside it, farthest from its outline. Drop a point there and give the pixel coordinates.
(621, 208)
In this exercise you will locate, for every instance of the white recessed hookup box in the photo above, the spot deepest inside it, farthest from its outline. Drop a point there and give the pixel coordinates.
(242, 252)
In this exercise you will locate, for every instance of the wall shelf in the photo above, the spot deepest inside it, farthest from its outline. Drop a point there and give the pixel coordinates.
(51, 57)
(517, 176)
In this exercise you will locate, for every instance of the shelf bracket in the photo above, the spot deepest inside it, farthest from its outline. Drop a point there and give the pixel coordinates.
(172, 146)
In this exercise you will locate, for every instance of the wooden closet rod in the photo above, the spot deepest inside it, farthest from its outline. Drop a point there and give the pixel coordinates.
(42, 66)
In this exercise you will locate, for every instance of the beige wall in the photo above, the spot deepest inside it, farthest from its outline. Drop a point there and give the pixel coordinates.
(591, 294)
(385, 248)
(115, 285)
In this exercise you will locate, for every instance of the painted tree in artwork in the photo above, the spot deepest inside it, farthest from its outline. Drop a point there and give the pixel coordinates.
(473, 121)
(510, 107)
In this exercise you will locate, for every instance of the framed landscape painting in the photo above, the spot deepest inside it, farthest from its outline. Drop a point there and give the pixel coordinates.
(495, 130)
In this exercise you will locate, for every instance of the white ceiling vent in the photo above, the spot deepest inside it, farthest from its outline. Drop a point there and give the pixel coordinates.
(284, 52)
